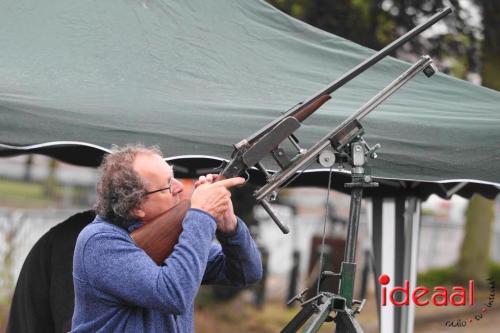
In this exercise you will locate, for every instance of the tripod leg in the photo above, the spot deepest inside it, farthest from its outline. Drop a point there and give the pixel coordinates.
(345, 323)
(300, 318)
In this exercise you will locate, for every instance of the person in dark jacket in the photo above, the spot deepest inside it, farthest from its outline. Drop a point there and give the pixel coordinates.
(43, 299)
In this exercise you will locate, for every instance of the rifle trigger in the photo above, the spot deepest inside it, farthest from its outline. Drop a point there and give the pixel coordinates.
(247, 178)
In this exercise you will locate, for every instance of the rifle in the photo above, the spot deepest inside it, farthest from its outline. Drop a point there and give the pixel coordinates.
(159, 242)
(158, 237)
(250, 151)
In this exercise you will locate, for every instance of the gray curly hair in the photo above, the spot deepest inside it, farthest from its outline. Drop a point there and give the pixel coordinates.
(120, 189)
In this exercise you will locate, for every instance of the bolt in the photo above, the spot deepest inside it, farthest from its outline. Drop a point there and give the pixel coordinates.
(273, 196)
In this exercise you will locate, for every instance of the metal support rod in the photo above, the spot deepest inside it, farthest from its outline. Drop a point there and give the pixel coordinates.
(267, 207)
(295, 144)
(345, 323)
(352, 229)
(300, 318)
(262, 168)
(323, 312)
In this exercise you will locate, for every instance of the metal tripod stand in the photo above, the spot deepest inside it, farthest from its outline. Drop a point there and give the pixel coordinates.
(348, 147)
(323, 304)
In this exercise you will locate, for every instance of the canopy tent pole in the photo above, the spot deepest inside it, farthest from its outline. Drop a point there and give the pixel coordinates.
(375, 233)
(395, 231)
(411, 250)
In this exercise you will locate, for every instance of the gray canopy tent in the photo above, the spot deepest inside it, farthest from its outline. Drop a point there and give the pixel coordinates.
(195, 77)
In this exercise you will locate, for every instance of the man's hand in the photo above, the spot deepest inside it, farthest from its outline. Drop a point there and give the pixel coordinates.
(208, 179)
(216, 199)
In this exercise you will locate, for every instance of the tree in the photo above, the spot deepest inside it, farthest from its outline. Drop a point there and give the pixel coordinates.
(376, 23)
(475, 249)
(491, 44)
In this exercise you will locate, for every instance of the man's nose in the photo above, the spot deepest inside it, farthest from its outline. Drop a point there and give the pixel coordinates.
(177, 186)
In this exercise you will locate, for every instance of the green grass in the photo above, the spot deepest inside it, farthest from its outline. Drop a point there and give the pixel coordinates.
(494, 268)
(445, 276)
(22, 194)
(437, 277)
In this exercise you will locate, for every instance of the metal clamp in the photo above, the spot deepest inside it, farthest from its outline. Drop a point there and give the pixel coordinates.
(359, 308)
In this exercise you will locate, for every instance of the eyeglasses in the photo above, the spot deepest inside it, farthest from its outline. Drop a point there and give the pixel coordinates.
(169, 188)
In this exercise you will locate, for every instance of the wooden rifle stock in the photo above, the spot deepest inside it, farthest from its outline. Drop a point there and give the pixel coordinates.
(307, 111)
(158, 237)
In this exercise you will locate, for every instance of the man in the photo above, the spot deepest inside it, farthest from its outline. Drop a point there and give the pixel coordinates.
(118, 288)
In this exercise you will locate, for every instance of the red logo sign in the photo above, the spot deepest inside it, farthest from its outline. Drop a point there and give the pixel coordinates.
(439, 295)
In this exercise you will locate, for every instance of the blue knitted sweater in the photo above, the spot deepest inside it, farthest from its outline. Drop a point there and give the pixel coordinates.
(118, 287)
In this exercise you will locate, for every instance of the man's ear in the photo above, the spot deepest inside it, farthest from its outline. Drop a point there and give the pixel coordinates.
(138, 212)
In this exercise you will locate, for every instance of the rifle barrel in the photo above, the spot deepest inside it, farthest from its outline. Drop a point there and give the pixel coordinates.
(355, 71)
